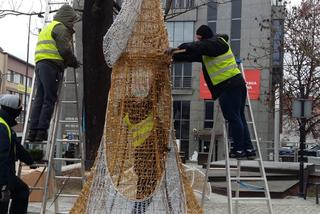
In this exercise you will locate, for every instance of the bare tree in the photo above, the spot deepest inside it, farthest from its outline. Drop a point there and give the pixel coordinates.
(302, 64)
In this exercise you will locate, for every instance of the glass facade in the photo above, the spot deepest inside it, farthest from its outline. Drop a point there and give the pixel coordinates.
(180, 32)
(181, 115)
(208, 114)
(235, 36)
(212, 16)
(182, 4)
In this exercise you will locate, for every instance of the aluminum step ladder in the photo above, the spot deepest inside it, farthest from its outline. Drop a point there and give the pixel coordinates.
(53, 159)
(239, 180)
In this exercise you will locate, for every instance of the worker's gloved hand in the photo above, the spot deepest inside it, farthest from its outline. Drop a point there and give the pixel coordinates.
(5, 194)
(33, 166)
(74, 63)
(169, 51)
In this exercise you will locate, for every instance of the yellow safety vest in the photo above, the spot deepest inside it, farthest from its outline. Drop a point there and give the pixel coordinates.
(140, 131)
(222, 67)
(8, 128)
(46, 47)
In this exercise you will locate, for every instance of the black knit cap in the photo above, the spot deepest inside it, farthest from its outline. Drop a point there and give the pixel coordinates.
(205, 32)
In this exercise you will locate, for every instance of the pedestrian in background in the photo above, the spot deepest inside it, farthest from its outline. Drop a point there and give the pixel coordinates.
(54, 52)
(224, 81)
(11, 186)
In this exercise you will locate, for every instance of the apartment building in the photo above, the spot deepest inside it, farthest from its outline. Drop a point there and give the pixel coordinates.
(249, 24)
(16, 78)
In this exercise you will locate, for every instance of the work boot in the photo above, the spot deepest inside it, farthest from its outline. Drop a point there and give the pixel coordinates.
(42, 135)
(251, 154)
(239, 155)
(32, 135)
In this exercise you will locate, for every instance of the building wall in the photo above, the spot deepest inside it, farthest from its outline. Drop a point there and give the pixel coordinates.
(251, 38)
(13, 77)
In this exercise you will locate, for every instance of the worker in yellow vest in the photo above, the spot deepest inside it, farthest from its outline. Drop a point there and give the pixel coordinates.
(53, 54)
(11, 186)
(224, 81)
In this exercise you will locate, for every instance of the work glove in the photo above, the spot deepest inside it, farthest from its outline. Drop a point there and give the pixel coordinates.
(5, 194)
(74, 63)
(33, 166)
(169, 51)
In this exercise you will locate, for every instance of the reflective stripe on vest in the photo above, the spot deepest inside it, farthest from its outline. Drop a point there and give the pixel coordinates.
(222, 67)
(8, 128)
(140, 131)
(46, 47)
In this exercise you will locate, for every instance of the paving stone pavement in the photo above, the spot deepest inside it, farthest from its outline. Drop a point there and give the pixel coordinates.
(291, 205)
(218, 205)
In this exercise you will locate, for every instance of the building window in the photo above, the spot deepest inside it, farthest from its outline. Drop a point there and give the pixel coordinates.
(180, 32)
(236, 9)
(236, 27)
(208, 114)
(17, 78)
(182, 4)
(181, 116)
(10, 76)
(181, 75)
(235, 46)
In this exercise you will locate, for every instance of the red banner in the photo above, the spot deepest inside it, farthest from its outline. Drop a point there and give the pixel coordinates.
(253, 85)
(204, 91)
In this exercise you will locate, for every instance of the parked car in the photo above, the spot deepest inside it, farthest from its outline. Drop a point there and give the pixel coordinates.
(286, 151)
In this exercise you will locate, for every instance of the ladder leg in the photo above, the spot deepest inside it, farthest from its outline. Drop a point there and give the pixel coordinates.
(228, 171)
(50, 153)
(238, 185)
(260, 161)
(209, 156)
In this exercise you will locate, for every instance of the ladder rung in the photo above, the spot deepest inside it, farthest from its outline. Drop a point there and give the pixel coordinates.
(57, 3)
(67, 159)
(69, 82)
(67, 195)
(40, 164)
(36, 188)
(68, 177)
(68, 121)
(246, 179)
(220, 168)
(68, 141)
(69, 102)
(37, 142)
(248, 199)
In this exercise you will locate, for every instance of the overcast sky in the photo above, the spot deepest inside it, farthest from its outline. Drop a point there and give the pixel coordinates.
(14, 29)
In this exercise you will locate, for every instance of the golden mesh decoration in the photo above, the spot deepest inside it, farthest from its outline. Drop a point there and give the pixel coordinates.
(138, 169)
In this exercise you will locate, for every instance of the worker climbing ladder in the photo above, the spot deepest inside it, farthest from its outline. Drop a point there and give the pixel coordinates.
(238, 180)
(64, 131)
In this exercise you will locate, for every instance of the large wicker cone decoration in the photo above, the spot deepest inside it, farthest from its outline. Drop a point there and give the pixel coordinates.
(137, 169)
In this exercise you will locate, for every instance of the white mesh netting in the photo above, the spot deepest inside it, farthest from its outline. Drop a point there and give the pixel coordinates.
(116, 39)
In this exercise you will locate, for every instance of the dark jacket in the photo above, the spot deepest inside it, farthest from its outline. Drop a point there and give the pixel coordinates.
(62, 34)
(9, 152)
(210, 47)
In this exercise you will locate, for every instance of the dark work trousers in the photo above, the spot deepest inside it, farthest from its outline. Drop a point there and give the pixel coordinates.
(48, 76)
(19, 195)
(232, 103)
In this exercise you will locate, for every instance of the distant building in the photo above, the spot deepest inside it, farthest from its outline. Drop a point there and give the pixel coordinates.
(14, 80)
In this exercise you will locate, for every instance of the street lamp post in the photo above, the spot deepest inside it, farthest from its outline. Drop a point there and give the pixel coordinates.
(27, 72)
